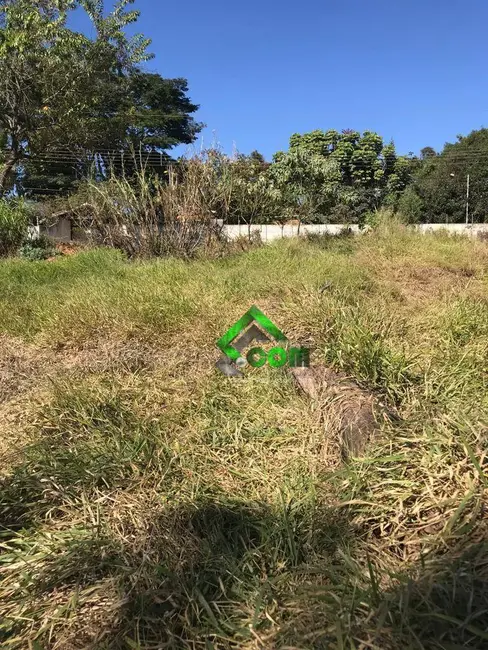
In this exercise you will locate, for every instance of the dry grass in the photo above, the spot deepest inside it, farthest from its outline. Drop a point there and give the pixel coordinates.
(148, 502)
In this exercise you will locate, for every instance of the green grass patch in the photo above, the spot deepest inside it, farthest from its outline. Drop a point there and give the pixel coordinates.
(158, 504)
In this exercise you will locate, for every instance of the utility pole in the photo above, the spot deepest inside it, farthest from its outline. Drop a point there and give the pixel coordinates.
(467, 200)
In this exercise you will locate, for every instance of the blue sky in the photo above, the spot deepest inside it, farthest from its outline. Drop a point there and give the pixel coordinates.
(412, 70)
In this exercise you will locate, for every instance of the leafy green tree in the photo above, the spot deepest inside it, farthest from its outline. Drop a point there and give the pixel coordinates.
(53, 79)
(252, 200)
(152, 116)
(158, 112)
(247, 194)
(427, 152)
(258, 157)
(110, 31)
(306, 181)
(441, 182)
(337, 176)
(67, 99)
(14, 222)
(32, 38)
(410, 206)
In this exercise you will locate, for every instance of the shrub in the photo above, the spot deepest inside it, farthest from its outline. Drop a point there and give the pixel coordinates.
(145, 216)
(40, 248)
(14, 223)
(382, 221)
(411, 206)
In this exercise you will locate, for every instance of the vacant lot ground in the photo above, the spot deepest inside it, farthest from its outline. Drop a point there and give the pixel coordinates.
(147, 502)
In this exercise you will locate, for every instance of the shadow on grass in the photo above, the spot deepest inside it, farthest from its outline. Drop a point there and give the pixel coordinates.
(443, 607)
(86, 445)
(207, 576)
(233, 574)
(220, 573)
(446, 607)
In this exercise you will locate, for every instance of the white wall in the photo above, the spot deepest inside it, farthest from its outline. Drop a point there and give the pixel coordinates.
(62, 230)
(455, 228)
(272, 232)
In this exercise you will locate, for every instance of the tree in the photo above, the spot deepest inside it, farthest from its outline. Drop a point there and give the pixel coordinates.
(306, 181)
(252, 197)
(410, 205)
(427, 152)
(43, 80)
(151, 116)
(258, 157)
(327, 174)
(159, 112)
(67, 99)
(51, 77)
(441, 181)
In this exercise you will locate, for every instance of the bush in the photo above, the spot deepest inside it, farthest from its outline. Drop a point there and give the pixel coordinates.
(135, 215)
(144, 215)
(176, 214)
(40, 248)
(14, 223)
(411, 206)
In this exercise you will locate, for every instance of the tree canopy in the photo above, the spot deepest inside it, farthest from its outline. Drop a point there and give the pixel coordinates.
(68, 101)
(440, 185)
(339, 175)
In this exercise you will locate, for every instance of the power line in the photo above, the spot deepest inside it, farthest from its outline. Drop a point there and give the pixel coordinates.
(482, 152)
(121, 157)
(99, 150)
(77, 161)
(70, 160)
(141, 114)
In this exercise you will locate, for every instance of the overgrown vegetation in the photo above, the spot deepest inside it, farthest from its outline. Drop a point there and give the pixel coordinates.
(77, 107)
(37, 248)
(14, 225)
(147, 501)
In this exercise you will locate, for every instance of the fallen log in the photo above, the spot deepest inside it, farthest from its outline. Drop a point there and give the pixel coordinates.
(356, 410)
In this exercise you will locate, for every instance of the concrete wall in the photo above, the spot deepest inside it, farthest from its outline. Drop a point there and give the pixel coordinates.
(473, 230)
(62, 231)
(271, 232)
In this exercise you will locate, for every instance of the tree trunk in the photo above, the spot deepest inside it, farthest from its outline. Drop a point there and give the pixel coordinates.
(8, 165)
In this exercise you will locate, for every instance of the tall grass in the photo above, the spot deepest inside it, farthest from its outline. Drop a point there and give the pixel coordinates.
(14, 222)
(145, 216)
(177, 214)
(149, 502)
